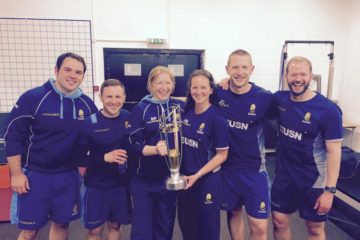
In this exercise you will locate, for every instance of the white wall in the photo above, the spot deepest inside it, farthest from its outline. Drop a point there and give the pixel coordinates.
(219, 27)
(350, 95)
(52, 9)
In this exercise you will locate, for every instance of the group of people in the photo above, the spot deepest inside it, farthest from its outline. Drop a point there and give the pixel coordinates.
(55, 128)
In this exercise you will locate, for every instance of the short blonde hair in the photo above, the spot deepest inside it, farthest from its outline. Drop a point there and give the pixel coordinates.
(156, 71)
(240, 52)
(298, 59)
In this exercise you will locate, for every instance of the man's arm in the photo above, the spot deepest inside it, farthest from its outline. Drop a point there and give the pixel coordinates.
(325, 200)
(333, 162)
(19, 182)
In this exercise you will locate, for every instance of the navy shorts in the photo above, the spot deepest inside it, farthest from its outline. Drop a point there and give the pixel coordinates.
(199, 208)
(153, 209)
(101, 205)
(52, 196)
(287, 197)
(251, 190)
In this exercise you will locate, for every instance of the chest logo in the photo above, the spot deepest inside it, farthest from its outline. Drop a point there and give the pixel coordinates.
(208, 199)
(307, 118)
(186, 122)
(153, 119)
(201, 128)
(81, 114)
(222, 103)
(252, 110)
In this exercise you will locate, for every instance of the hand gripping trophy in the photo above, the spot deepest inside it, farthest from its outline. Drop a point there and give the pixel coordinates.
(170, 127)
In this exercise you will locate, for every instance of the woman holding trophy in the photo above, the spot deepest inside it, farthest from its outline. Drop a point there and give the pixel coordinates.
(205, 141)
(154, 206)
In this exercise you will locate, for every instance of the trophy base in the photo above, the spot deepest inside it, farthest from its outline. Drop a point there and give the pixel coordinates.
(174, 184)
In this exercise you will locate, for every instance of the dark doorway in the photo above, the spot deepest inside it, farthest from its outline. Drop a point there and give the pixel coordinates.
(132, 67)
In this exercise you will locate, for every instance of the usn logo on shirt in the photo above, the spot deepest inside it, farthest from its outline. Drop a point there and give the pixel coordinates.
(238, 125)
(290, 133)
(190, 142)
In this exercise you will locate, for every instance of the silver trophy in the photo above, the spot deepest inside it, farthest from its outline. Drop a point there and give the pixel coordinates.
(170, 127)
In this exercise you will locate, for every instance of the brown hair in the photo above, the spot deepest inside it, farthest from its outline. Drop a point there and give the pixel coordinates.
(111, 82)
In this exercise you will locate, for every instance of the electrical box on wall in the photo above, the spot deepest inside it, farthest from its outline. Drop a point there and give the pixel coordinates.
(156, 41)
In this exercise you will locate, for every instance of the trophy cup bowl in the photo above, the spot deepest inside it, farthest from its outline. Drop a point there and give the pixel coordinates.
(170, 126)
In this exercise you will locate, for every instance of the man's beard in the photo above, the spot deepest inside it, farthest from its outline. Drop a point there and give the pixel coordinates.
(296, 94)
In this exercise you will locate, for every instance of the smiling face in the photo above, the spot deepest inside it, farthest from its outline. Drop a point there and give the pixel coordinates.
(298, 77)
(239, 69)
(200, 90)
(69, 76)
(161, 86)
(113, 98)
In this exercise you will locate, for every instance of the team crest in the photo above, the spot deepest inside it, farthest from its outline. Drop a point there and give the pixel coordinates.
(127, 125)
(252, 110)
(201, 128)
(262, 207)
(81, 114)
(75, 210)
(307, 118)
(208, 199)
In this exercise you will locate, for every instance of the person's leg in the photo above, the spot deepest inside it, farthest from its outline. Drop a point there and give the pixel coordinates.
(281, 225)
(119, 213)
(315, 222)
(65, 203)
(236, 224)
(114, 231)
(188, 214)
(316, 230)
(285, 200)
(208, 200)
(28, 234)
(232, 202)
(258, 228)
(59, 231)
(94, 234)
(164, 214)
(142, 210)
(32, 209)
(257, 203)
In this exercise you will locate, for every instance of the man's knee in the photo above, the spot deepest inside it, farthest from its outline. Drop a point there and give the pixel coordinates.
(114, 226)
(316, 229)
(96, 232)
(280, 221)
(28, 234)
(60, 228)
(258, 227)
(236, 213)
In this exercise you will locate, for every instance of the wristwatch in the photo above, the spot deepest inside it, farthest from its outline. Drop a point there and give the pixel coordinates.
(330, 189)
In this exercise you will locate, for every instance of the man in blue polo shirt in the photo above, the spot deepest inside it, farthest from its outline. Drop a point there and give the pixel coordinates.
(245, 106)
(40, 135)
(104, 144)
(309, 152)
